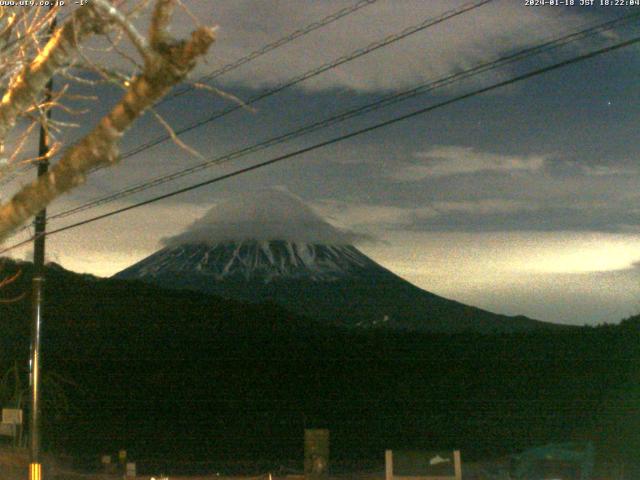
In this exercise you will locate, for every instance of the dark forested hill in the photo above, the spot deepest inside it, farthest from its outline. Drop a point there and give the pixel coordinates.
(173, 374)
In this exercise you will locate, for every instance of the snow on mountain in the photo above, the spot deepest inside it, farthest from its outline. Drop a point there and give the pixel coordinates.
(271, 247)
(253, 260)
(263, 236)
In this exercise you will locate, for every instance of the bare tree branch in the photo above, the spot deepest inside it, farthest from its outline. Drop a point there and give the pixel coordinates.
(168, 63)
(158, 33)
(27, 87)
(7, 281)
(136, 38)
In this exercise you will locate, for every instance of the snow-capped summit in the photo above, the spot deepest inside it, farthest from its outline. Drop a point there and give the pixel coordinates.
(271, 247)
(253, 260)
(267, 235)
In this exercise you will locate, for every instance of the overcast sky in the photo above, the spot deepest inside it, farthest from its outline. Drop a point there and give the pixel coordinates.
(523, 200)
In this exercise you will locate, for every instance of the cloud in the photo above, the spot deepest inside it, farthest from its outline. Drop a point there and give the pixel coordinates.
(268, 214)
(542, 218)
(462, 189)
(482, 256)
(444, 161)
(454, 45)
(608, 170)
(476, 36)
(486, 206)
(376, 217)
(115, 242)
(367, 216)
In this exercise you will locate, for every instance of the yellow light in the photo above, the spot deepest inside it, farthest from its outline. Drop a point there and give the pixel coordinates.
(35, 471)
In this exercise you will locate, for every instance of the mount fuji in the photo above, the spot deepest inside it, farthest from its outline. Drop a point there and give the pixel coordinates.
(271, 247)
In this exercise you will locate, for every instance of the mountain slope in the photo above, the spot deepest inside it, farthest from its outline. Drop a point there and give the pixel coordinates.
(269, 246)
(334, 283)
(253, 260)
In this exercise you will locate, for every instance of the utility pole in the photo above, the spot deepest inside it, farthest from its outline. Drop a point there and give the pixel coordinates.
(40, 224)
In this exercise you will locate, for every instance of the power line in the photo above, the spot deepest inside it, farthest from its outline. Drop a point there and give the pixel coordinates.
(427, 23)
(278, 43)
(541, 48)
(342, 138)
(384, 102)
(247, 58)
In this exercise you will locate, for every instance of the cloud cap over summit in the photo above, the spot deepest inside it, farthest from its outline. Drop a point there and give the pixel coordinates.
(269, 214)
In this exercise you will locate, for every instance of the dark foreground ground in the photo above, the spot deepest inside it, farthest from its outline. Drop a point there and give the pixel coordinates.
(13, 466)
(177, 377)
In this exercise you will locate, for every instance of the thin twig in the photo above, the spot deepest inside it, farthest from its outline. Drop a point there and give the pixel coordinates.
(21, 142)
(175, 137)
(223, 94)
(106, 8)
(187, 10)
